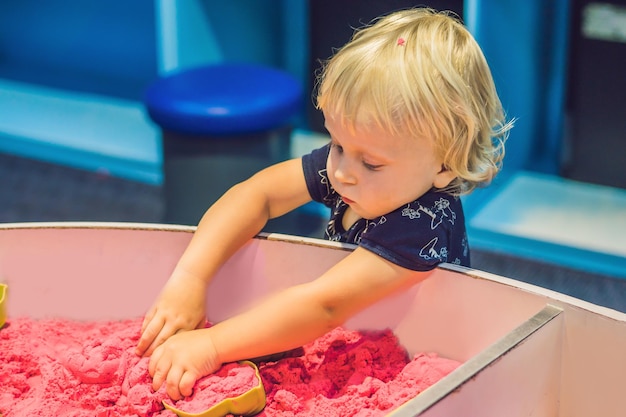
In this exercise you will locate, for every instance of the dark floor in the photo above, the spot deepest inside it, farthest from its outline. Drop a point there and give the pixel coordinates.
(32, 191)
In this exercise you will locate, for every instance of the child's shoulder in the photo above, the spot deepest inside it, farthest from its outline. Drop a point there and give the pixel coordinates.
(438, 200)
(433, 211)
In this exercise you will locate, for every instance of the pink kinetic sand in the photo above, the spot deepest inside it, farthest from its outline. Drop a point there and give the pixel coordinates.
(79, 369)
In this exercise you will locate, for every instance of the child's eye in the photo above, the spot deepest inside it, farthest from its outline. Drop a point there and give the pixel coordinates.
(371, 167)
(336, 146)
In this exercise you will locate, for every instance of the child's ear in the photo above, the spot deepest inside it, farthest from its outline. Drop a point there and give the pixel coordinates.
(443, 178)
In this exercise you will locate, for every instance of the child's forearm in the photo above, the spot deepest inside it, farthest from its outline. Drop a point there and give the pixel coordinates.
(304, 312)
(233, 220)
(282, 322)
(240, 214)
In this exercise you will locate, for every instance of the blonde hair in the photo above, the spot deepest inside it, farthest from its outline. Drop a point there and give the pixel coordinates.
(420, 72)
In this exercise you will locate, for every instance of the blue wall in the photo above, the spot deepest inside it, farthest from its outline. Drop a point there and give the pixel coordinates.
(105, 47)
(525, 43)
(115, 47)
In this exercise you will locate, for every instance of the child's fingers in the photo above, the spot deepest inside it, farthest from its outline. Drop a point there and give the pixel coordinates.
(172, 384)
(158, 368)
(147, 318)
(152, 336)
(187, 382)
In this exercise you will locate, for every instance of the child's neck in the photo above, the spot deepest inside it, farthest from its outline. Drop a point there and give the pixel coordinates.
(349, 218)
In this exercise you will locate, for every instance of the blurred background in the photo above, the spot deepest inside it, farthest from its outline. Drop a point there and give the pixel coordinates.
(76, 142)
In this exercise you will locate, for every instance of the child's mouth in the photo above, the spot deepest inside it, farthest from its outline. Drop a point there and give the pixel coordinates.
(347, 200)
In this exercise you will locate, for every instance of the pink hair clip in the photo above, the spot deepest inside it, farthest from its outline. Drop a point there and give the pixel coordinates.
(401, 41)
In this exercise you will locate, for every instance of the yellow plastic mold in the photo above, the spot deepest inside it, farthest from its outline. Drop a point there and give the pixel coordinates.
(247, 404)
(3, 308)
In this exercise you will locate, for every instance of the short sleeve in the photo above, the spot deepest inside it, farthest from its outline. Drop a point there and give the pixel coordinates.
(314, 167)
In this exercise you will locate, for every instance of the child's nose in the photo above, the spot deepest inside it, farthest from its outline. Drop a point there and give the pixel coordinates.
(344, 172)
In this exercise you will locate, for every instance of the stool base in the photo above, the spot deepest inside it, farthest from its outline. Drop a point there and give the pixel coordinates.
(198, 170)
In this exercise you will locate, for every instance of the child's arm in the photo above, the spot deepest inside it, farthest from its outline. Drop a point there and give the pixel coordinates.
(287, 320)
(233, 220)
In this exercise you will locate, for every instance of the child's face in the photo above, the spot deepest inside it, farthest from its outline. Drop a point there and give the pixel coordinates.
(376, 173)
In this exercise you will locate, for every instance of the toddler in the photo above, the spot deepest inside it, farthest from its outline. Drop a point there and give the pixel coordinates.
(415, 122)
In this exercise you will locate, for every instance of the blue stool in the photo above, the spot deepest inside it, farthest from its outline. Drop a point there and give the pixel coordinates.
(221, 124)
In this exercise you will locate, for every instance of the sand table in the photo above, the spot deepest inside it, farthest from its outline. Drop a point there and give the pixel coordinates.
(87, 369)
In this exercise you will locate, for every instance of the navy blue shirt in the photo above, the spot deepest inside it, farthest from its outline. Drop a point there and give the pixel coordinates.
(418, 236)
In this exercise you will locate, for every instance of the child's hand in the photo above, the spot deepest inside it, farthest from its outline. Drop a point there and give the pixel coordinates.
(179, 307)
(181, 361)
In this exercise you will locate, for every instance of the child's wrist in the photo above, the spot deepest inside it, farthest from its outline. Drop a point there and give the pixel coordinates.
(184, 275)
(215, 360)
